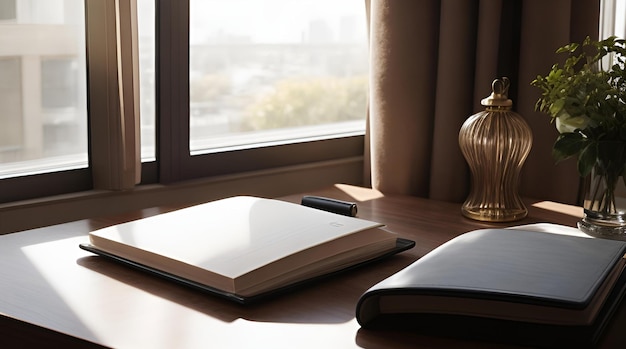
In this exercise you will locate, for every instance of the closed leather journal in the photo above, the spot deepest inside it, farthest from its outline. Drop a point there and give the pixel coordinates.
(526, 287)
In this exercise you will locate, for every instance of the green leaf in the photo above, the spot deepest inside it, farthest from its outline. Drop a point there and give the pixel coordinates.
(567, 48)
(587, 159)
(567, 145)
(556, 107)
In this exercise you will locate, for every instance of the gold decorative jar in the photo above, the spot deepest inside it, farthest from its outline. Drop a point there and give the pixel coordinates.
(495, 144)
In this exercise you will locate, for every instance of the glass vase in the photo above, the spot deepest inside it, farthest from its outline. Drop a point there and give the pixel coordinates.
(604, 204)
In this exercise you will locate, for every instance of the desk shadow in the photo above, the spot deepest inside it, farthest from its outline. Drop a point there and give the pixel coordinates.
(383, 339)
(325, 301)
(452, 335)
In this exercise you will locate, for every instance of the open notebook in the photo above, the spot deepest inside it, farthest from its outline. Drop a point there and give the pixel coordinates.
(245, 248)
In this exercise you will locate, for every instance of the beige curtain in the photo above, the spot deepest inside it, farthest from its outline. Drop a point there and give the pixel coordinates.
(432, 61)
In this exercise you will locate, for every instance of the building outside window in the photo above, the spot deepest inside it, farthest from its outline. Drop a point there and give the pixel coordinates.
(42, 90)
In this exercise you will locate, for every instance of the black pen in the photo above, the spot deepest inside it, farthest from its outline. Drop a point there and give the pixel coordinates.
(331, 205)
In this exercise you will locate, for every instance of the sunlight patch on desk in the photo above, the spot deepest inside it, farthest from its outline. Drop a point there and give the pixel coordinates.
(105, 306)
(294, 335)
(122, 309)
(359, 193)
(560, 208)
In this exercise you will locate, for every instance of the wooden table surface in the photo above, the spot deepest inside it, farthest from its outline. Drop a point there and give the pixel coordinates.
(52, 292)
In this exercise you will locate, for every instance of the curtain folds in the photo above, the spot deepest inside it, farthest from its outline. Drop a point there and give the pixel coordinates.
(432, 61)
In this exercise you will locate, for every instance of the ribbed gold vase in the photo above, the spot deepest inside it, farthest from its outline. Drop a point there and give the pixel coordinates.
(495, 144)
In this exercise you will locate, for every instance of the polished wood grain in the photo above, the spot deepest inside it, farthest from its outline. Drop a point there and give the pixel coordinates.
(53, 293)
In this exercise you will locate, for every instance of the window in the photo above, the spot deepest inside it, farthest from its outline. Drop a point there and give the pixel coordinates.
(258, 77)
(205, 95)
(613, 18)
(42, 97)
(612, 22)
(248, 79)
(43, 109)
(147, 76)
(221, 101)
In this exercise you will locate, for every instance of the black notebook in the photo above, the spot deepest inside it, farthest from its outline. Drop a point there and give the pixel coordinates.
(526, 287)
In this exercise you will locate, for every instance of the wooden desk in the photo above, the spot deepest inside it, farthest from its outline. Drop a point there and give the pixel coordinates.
(51, 292)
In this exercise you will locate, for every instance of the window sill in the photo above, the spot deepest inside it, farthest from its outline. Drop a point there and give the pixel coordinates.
(29, 214)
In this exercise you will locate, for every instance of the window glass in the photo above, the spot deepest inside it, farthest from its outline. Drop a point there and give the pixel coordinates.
(43, 89)
(146, 30)
(612, 18)
(275, 70)
(620, 18)
(8, 10)
(58, 83)
(10, 108)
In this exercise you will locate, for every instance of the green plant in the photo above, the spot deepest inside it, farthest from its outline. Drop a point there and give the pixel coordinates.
(587, 102)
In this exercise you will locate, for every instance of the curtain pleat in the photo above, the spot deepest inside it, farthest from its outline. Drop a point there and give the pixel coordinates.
(432, 61)
(455, 78)
(401, 79)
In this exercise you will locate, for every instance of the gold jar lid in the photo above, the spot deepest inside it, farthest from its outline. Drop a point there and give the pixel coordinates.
(499, 94)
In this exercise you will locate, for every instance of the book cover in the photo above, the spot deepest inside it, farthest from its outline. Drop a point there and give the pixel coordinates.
(507, 279)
